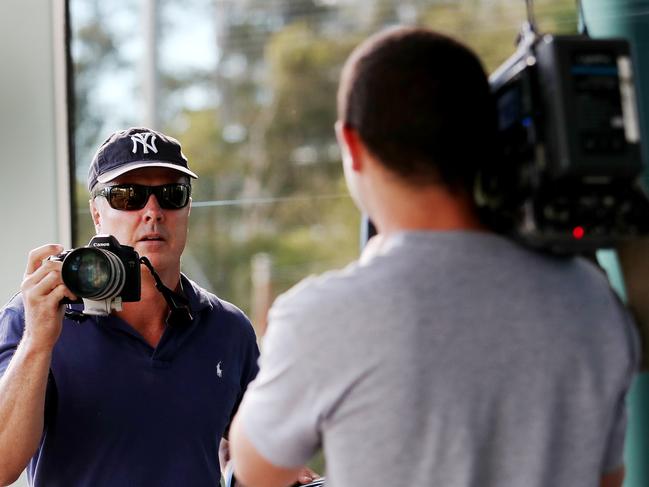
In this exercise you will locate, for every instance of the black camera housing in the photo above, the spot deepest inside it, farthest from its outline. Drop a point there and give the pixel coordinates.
(104, 270)
(568, 179)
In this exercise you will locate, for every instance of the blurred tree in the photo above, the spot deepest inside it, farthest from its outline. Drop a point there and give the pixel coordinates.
(491, 27)
(285, 170)
(94, 52)
(263, 145)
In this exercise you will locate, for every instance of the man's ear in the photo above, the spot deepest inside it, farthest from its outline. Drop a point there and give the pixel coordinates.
(350, 144)
(96, 216)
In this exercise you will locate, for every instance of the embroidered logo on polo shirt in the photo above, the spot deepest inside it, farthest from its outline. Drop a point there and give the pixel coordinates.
(219, 370)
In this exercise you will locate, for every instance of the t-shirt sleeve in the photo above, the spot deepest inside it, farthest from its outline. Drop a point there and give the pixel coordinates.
(613, 457)
(12, 327)
(281, 410)
(12, 324)
(614, 453)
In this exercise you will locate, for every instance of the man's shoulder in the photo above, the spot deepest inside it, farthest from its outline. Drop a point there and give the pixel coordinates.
(12, 315)
(214, 308)
(325, 286)
(327, 302)
(12, 325)
(15, 304)
(200, 298)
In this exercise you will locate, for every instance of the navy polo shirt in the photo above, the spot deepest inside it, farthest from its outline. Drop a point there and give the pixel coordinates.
(121, 413)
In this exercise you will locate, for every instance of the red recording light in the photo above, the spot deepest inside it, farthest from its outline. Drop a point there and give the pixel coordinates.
(578, 232)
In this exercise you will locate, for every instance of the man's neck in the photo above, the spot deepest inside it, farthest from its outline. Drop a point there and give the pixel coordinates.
(424, 208)
(149, 314)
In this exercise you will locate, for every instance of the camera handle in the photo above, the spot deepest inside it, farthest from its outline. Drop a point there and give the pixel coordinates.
(178, 304)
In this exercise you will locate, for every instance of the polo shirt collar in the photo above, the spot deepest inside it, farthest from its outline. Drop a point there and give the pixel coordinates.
(198, 298)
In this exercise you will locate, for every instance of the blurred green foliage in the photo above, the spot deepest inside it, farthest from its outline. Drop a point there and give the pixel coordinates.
(270, 178)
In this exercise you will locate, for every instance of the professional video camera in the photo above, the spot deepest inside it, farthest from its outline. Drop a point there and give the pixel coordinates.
(568, 179)
(103, 274)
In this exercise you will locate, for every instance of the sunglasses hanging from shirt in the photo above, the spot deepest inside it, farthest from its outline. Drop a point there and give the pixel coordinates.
(129, 197)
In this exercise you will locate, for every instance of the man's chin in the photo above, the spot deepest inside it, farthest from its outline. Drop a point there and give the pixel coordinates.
(156, 260)
(161, 261)
(145, 247)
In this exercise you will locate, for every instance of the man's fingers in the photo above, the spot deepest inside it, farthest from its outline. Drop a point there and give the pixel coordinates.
(307, 475)
(61, 291)
(46, 285)
(47, 267)
(304, 478)
(37, 256)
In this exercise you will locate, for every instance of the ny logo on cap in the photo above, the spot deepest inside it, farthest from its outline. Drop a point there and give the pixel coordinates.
(143, 138)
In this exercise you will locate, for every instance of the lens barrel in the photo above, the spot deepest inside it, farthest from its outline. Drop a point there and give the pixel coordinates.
(93, 273)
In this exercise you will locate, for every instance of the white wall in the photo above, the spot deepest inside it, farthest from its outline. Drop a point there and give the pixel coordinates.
(32, 163)
(29, 205)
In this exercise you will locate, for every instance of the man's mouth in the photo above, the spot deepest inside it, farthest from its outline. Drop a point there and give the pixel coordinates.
(151, 238)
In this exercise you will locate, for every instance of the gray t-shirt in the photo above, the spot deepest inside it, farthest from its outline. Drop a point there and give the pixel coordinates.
(447, 358)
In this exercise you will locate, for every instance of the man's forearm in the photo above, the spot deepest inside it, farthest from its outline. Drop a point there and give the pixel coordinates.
(22, 405)
(251, 468)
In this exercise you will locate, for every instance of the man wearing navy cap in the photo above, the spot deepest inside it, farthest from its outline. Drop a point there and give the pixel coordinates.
(127, 399)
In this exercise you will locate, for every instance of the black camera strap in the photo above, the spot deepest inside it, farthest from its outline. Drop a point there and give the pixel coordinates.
(74, 315)
(180, 313)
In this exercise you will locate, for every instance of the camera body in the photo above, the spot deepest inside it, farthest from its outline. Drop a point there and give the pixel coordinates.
(568, 176)
(103, 274)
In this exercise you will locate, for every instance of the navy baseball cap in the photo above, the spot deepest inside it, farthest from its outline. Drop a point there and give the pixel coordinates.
(134, 148)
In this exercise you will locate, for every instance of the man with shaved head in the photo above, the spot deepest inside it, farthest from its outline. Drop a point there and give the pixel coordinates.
(448, 355)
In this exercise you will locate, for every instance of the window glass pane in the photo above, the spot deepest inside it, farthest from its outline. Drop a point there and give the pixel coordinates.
(248, 87)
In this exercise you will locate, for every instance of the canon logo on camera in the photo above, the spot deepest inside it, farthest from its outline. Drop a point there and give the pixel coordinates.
(101, 244)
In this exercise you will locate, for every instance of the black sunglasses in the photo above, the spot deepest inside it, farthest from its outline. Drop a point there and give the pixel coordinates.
(135, 196)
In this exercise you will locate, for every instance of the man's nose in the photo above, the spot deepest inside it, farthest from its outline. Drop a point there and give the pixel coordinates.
(153, 210)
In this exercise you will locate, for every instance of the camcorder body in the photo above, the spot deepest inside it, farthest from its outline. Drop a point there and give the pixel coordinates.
(103, 274)
(568, 177)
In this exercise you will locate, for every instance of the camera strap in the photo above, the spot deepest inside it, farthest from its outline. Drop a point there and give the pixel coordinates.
(74, 315)
(180, 313)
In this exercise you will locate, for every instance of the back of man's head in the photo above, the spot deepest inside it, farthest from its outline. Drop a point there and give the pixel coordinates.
(421, 103)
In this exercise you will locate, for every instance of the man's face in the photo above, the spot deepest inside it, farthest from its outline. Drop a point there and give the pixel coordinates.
(154, 232)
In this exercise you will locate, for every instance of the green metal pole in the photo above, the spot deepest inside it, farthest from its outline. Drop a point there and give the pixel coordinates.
(629, 19)
(637, 440)
(636, 451)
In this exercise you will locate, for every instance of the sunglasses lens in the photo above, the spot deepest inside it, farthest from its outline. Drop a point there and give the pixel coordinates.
(134, 196)
(173, 196)
(128, 197)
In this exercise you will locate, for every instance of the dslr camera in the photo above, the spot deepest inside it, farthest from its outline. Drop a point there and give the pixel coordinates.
(102, 274)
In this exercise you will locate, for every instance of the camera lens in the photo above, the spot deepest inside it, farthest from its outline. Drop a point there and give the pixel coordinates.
(93, 273)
